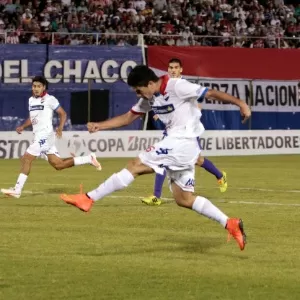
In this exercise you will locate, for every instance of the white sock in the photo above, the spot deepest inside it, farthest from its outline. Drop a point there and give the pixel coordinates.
(82, 160)
(206, 208)
(115, 182)
(20, 182)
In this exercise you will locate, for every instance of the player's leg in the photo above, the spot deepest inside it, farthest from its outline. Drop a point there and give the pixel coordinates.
(154, 159)
(158, 186)
(211, 168)
(155, 198)
(114, 183)
(182, 189)
(30, 155)
(180, 154)
(59, 164)
(90, 159)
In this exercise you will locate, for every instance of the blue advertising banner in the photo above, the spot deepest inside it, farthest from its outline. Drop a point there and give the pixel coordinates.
(67, 69)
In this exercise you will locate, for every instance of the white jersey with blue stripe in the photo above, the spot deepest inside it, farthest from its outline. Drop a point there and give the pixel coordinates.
(176, 106)
(41, 114)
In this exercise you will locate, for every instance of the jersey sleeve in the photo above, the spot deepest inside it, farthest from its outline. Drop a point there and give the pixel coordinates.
(189, 91)
(53, 103)
(141, 107)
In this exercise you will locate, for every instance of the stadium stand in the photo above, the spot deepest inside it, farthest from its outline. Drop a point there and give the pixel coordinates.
(228, 23)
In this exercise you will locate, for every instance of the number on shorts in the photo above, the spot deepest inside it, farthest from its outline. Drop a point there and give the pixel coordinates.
(150, 148)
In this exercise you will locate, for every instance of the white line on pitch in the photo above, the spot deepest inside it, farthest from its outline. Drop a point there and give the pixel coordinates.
(171, 200)
(265, 190)
(263, 203)
(204, 188)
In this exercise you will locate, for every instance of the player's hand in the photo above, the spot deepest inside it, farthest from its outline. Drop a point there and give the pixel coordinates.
(245, 112)
(59, 133)
(19, 129)
(155, 117)
(93, 127)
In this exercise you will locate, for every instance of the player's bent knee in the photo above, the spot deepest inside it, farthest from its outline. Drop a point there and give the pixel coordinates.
(183, 198)
(185, 202)
(132, 167)
(58, 167)
(182, 203)
(56, 162)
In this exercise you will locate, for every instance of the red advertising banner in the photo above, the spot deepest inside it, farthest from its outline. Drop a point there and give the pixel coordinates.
(242, 63)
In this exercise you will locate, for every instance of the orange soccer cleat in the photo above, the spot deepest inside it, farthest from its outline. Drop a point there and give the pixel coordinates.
(235, 228)
(81, 201)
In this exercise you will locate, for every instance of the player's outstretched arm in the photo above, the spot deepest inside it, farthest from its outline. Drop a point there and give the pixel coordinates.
(26, 124)
(62, 120)
(115, 122)
(226, 98)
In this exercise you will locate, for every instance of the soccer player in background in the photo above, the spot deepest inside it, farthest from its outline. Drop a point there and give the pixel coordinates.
(175, 71)
(177, 152)
(41, 109)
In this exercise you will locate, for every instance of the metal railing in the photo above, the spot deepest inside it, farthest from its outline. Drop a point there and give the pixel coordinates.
(72, 38)
(134, 39)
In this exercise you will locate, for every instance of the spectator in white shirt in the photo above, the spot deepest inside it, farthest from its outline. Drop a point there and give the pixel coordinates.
(12, 38)
(170, 40)
(182, 42)
(186, 34)
(159, 6)
(275, 21)
(131, 9)
(251, 29)
(45, 24)
(240, 24)
(27, 15)
(34, 39)
(139, 4)
(139, 18)
(66, 2)
(82, 7)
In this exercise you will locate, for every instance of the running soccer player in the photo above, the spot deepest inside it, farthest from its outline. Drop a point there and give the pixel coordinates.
(175, 71)
(41, 108)
(175, 102)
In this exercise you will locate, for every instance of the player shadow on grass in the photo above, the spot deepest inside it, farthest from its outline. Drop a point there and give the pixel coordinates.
(187, 246)
(203, 246)
(191, 245)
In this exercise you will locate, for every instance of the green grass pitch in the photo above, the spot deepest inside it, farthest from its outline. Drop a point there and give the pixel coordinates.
(123, 249)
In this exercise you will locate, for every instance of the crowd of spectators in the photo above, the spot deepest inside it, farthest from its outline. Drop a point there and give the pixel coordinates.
(230, 23)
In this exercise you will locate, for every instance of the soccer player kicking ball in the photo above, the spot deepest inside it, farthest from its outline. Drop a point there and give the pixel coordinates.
(175, 71)
(41, 108)
(175, 102)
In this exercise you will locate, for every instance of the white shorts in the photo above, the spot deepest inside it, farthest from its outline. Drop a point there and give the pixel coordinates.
(176, 155)
(42, 146)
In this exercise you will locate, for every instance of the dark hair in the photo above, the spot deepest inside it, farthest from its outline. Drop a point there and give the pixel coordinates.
(141, 76)
(175, 60)
(40, 79)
